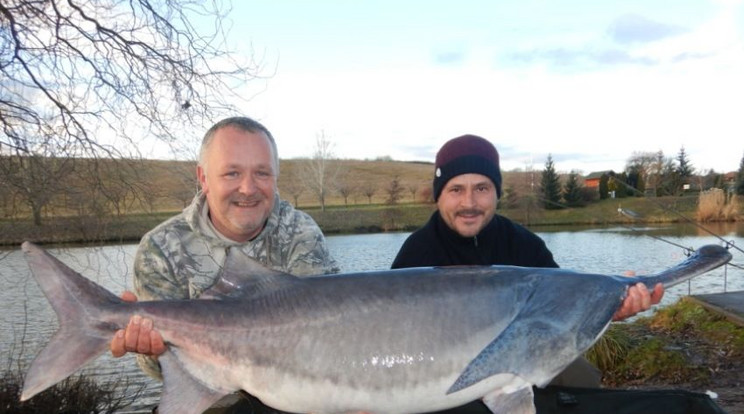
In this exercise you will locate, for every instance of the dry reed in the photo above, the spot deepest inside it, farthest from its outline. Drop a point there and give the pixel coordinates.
(714, 205)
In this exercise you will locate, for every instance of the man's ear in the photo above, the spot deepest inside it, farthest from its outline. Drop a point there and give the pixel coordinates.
(202, 177)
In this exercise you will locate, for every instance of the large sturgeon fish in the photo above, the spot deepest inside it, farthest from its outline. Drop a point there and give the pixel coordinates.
(400, 341)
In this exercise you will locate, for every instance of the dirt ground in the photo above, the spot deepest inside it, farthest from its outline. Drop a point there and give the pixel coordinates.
(725, 369)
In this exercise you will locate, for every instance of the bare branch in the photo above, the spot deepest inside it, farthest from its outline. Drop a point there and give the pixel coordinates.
(102, 75)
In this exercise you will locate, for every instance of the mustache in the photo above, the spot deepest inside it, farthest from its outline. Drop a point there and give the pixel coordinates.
(470, 212)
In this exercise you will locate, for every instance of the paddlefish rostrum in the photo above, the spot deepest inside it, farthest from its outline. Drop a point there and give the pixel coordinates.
(387, 342)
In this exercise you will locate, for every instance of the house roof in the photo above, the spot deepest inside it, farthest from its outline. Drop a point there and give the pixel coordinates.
(598, 174)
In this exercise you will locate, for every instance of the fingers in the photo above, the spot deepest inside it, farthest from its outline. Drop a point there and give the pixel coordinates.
(143, 339)
(131, 337)
(139, 336)
(117, 344)
(657, 294)
(128, 296)
(638, 300)
(157, 345)
(643, 297)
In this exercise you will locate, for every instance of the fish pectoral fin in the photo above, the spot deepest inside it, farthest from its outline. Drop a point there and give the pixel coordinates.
(520, 401)
(182, 393)
(552, 347)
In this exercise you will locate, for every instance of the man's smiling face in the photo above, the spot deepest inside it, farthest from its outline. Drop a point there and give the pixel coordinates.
(468, 203)
(238, 177)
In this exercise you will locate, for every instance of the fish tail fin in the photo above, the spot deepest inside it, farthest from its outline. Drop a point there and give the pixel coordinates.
(83, 333)
(702, 260)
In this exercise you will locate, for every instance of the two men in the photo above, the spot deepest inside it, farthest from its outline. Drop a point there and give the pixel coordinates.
(239, 208)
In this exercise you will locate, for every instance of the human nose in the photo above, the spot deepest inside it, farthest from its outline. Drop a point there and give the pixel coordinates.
(468, 198)
(247, 185)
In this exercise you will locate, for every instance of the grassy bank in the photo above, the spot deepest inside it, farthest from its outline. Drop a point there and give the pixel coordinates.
(360, 218)
(682, 346)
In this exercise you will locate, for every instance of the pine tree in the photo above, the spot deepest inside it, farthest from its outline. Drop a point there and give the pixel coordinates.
(621, 185)
(550, 186)
(572, 191)
(684, 168)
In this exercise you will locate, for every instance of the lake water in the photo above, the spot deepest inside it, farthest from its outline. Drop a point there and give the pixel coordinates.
(27, 320)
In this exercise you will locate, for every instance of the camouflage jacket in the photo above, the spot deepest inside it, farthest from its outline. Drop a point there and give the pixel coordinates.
(182, 257)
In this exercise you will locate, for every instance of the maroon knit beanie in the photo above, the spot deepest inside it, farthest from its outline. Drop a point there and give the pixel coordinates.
(464, 155)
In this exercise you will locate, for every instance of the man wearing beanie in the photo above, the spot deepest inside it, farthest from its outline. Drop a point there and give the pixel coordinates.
(465, 230)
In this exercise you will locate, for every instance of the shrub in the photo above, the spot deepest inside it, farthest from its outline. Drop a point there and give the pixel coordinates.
(76, 394)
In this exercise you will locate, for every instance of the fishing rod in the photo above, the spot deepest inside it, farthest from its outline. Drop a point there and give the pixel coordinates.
(633, 215)
(630, 214)
(728, 244)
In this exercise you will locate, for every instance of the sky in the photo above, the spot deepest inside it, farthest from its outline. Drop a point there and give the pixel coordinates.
(588, 82)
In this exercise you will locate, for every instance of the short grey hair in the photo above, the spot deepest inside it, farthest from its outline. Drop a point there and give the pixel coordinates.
(244, 124)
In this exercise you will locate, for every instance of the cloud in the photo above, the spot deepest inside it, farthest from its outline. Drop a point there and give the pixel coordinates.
(449, 55)
(568, 58)
(631, 37)
(690, 56)
(633, 28)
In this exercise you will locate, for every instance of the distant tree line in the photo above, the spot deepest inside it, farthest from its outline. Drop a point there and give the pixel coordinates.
(645, 174)
(40, 187)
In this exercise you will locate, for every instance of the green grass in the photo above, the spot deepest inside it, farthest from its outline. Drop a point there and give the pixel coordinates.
(679, 343)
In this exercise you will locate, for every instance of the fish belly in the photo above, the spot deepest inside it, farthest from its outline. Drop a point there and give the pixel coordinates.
(295, 394)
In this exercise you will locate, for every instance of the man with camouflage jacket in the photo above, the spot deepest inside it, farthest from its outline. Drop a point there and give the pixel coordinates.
(238, 208)
(183, 256)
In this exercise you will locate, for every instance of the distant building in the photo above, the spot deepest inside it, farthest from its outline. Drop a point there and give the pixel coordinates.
(592, 180)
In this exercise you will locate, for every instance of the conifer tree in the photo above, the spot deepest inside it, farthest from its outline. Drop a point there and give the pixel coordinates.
(604, 188)
(622, 189)
(684, 168)
(572, 191)
(550, 186)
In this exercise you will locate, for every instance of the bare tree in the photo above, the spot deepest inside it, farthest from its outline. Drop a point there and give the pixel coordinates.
(394, 191)
(318, 172)
(36, 179)
(295, 189)
(643, 168)
(345, 189)
(122, 68)
(413, 188)
(369, 190)
(187, 183)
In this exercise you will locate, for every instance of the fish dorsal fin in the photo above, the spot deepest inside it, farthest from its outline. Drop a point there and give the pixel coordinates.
(242, 276)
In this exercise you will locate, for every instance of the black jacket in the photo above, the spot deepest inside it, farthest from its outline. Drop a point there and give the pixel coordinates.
(501, 242)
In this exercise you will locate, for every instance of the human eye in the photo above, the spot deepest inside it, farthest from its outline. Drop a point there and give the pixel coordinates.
(263, 174)
(232, 174)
